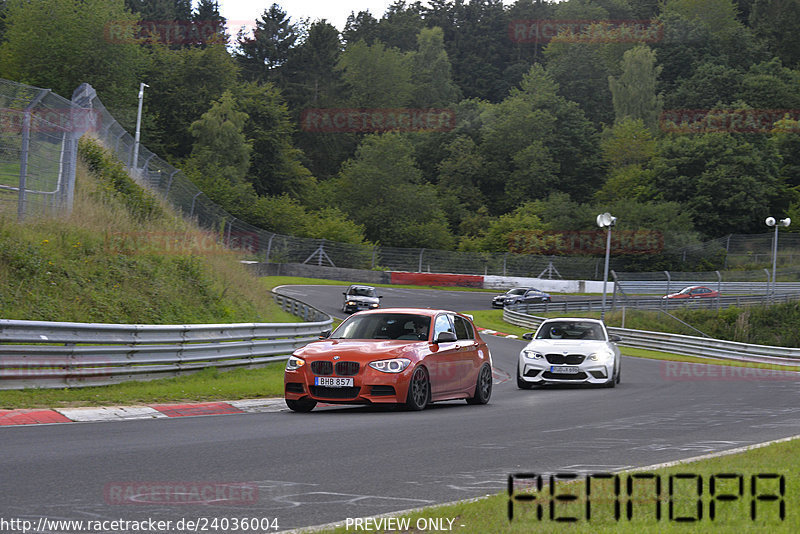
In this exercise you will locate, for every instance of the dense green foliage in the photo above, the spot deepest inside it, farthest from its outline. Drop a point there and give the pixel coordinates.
(777, 325)
(121, 258)
(547, 133)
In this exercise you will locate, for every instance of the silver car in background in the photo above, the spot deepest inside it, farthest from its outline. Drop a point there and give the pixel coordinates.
(359, 297)
(569, 351)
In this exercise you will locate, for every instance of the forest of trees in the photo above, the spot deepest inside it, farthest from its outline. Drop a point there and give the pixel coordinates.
(547, 133)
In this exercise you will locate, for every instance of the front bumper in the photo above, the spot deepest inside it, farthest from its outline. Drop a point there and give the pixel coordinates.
(354, 306)
(370, 386)
(542, 372)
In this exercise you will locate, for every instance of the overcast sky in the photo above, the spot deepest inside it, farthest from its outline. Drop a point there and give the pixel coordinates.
(245, 12)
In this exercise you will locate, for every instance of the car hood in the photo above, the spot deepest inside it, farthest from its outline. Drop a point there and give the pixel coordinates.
(566, 345)
(362, 350)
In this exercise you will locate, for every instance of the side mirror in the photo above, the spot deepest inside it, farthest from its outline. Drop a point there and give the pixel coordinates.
(527, 335)
(380, 296)
(324, 334)
(344, 292)
(614, 339)
(446, 337)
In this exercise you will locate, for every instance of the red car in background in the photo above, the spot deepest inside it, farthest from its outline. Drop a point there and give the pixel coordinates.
(407, 356)
(693, 292)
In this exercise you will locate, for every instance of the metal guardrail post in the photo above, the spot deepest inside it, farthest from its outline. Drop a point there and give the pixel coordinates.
(768, 278)
(23, 156)
(169, 182)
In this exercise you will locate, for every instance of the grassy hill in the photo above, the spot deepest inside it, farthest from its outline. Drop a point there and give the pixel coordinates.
(122, 257)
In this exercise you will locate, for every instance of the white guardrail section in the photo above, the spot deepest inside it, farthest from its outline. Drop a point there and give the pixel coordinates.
(41, 354)
(658, 303)
(662, 287)
(679, 344)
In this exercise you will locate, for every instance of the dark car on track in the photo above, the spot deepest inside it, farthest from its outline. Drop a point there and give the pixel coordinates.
(406, 356)
(520, 295)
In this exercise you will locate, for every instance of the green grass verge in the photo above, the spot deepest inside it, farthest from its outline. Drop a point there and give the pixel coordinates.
(491, 514)
(206, 385)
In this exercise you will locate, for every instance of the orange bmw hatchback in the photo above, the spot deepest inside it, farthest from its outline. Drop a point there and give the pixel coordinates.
(407, 356)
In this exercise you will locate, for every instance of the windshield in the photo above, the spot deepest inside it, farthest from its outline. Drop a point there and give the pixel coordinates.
(362, 291)
(571, 330)
(518, 291)
(384, 326)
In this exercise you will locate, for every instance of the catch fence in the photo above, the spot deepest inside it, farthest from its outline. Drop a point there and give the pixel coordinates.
(39, 134)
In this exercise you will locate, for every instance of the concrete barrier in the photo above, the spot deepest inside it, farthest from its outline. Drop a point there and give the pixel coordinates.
(437, 279)
(501, 283)
(361, 276)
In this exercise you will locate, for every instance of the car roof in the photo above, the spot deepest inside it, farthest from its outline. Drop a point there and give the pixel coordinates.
(359, 286)
(576, 319)
(417, 311)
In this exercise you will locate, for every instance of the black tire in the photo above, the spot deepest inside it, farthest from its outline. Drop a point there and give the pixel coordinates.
(483, 387)
(419, 390)
(619, 374)
(521, 384)
(304, 405)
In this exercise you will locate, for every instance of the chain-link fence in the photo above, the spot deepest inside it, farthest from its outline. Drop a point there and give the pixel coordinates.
(39, 131)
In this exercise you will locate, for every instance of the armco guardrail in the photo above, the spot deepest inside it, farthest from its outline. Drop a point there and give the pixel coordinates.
(655, 303)
(40, 354)
(680, 344)
(658, 287)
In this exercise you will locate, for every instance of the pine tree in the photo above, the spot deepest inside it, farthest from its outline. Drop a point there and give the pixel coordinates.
(269, 46)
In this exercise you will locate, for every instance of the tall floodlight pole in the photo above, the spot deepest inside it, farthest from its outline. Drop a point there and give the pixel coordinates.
(606, 220)
(135, 165)
(772, 222)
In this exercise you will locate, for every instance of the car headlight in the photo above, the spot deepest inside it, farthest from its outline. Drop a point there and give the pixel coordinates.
(351, 303)
(602, 356)
(532, 354)
(396, 365)
(374, 305)
(294, 363)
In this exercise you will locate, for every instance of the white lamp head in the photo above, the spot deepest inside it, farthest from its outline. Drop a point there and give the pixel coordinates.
(770, 221)
(786, 222)
(606, 219)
